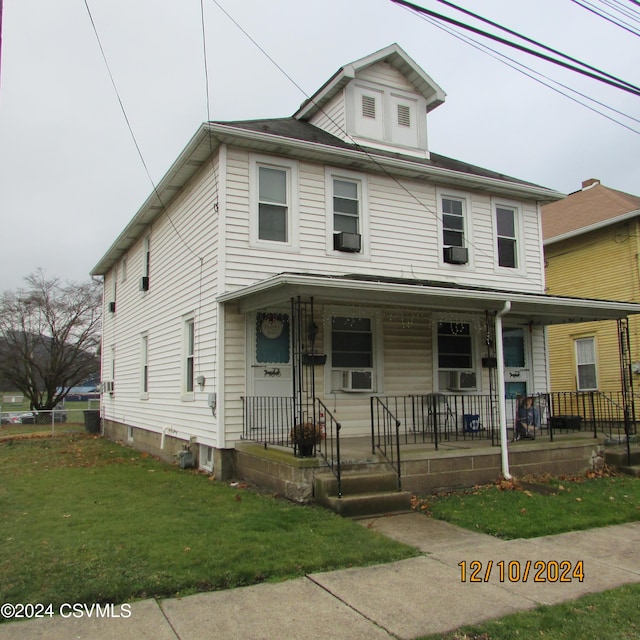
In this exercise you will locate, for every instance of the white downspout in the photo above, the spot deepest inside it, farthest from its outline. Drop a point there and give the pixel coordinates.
(502, 410)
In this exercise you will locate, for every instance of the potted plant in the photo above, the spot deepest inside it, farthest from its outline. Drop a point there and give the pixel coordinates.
(305, 436)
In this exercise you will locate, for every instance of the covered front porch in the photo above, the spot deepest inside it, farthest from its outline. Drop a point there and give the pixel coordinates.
(413, 368)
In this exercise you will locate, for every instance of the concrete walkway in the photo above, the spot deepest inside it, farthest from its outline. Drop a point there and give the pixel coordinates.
(404, 599)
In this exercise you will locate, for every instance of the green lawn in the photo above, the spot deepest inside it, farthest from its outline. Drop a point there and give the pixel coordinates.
(540, 508)
(611, 615)
(83, 519)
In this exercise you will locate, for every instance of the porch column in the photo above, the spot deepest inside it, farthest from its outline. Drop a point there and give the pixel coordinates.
(502, 411)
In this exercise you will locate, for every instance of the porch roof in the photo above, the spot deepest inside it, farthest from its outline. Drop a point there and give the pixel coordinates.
(535, 308)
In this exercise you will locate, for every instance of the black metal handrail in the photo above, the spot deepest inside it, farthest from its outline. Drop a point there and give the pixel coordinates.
(329, 448)
(385, 435)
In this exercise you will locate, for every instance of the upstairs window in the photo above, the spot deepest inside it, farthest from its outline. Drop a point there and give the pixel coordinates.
(273, 208)
(506, 232)
(273, 201)
(452, 222)
(346, 206)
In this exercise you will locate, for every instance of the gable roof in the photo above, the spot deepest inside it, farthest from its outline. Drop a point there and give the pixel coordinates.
(585, 210)
(396, 57)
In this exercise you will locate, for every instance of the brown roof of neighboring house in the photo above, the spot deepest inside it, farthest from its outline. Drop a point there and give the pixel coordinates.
(594, 204)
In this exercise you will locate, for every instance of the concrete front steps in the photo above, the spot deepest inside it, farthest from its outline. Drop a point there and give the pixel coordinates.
(364, 493)
(619, 459)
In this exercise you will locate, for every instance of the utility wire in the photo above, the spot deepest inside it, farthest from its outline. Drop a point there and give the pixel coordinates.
(625, 86)
(531, 41)
(605, 16)
(133, 137)
(531, 73)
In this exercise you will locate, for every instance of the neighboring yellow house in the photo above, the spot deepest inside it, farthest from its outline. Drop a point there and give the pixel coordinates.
(592, 249)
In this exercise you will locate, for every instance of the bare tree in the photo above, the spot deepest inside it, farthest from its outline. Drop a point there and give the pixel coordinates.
(49, 337)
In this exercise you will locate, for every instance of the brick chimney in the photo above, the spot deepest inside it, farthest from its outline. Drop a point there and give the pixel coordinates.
(591, 182)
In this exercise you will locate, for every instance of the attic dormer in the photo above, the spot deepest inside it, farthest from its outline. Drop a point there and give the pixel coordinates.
(379, 101)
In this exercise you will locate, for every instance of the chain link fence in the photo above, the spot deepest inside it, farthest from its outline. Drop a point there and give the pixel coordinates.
(17, 419)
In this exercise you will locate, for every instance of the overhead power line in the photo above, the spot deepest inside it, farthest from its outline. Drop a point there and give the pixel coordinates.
(532, 41)
(619, 84)
(605, 15)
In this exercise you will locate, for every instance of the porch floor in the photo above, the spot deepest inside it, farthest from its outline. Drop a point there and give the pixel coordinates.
(357, 450)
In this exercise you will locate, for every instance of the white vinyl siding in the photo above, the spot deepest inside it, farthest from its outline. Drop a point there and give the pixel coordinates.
(185, 272)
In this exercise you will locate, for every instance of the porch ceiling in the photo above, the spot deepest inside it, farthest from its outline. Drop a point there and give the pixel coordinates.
(539, 309)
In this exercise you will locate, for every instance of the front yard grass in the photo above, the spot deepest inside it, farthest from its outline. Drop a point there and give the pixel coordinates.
(83, 519)
(540, 507)
(611, 615)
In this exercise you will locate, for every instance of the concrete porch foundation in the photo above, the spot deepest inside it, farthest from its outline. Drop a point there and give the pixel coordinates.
(423, 469)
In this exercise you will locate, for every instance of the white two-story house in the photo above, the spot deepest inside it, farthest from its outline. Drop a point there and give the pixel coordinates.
(330, 255)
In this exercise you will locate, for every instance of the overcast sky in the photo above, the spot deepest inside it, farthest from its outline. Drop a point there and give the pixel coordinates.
(70, 175)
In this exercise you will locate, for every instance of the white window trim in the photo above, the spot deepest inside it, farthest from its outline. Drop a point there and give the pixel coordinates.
(378, 347)
(332, 173)
(475, 353)
(201, 461)
(517, 207)
(144, 363)
(291, 168)
(187, 396)
(595, 361)
(468, 227)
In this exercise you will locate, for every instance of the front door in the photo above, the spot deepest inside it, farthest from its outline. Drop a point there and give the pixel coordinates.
(271, 362)
(516, 366)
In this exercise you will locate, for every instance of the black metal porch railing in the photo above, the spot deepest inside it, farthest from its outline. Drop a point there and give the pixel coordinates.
(435, 418)
(385, 435)
(329, 447)
(271, 421)
(268, 420)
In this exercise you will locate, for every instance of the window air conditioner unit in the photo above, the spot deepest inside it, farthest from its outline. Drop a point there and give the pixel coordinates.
(112, 307)
(456, 255)
(350, 242)
(462, 380)
(107, 386)
(144, 283)
(354, 380)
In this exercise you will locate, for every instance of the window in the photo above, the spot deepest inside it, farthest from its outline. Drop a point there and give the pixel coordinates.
(455, 348)
(273, 185)
(355, 353)
(453, 222)
(144, 366)
(506, 234)
(346, 206)
(456, 368)
(189, 355)
(586, 364)
(146, 264)
(272, 205)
